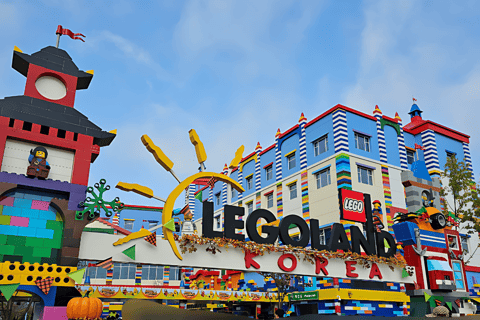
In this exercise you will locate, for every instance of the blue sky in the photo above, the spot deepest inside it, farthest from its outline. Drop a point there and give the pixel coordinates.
(237, 70)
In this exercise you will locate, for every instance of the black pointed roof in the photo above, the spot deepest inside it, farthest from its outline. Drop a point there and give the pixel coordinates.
(53, 115)
(54, 59)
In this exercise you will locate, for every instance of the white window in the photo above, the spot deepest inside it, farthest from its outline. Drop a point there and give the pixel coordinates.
(323, 178)
(152, 272)
(410, 156)
(129, 224)
(234, 193)
(217, 221)
(249, 182)
(217, 199)
(452, 242)
(293, 190)
(362, 142)
(250, 207)
(291, 161)
(365, 175)
(269, 172)
(465, 244)
(457, 271)
(96, 273)
(270, 200)
(174, 273)
(320, 146)
(124, 271)
(152, 224)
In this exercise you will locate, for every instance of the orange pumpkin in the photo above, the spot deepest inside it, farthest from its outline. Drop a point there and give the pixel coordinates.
(84, 308)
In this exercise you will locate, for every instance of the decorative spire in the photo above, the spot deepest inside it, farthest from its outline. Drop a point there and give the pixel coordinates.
(377, 110)
(398, 117)
(225, 168)
(278, 133)
(302, 118)
(258, 147)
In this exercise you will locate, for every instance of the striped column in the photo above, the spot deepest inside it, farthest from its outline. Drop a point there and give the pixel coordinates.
(108, 280)
(240, 181)
(210, 194)
(258, 202)
(377, 113)
(430, 153)
(401, 144)
(138, 275)
(115, 221)
(344, 176)
(340, 133)
(387, 194)
(105, 308)
(468, 159)
(303, 169)
(278, 158)
(279, 201)
(191, 198)
(258, 176)
(224, 187)
(166, 275)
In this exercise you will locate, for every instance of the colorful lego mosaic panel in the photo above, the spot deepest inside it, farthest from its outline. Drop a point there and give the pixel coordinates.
(279, 201)
(30, 229)
(388, 198)
(344, 176)
(372, 308)
(326, 308)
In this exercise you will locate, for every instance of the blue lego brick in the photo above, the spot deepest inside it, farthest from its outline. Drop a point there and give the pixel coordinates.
(8, 230)
(29, 213)
(433, 239)
(11, 211)
(47, 215)
(37, 223)
(405, 232)
(23, 203)
(44, 233)
(27, 232)
(32, 196)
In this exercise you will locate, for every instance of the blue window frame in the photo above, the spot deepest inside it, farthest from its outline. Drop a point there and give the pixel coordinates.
(457, 271)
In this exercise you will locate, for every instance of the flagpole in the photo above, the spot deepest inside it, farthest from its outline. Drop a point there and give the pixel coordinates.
(58, 39)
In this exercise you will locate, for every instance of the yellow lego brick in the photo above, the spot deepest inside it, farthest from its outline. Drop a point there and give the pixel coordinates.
(26, 273)
(116, 307)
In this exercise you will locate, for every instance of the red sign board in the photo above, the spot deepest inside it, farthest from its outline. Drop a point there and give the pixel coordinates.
(352, 206)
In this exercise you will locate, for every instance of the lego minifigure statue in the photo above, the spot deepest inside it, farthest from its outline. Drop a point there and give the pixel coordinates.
(39, 166)
(188, 227)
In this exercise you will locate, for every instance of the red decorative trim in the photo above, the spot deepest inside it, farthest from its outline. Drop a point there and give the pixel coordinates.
(425, 125)
(390, 119)
(268, 193)
(288, 131)
(247, 157)
(269, 148)
(234, 169)
(268, 165)
(339, 106)
(121, 230)
(472, 269)
(200, 190)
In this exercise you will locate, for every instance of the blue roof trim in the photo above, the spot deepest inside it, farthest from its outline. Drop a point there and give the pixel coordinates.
(321, 169)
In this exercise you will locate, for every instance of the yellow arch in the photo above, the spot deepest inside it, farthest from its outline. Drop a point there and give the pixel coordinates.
(168, 207)
(254, 157)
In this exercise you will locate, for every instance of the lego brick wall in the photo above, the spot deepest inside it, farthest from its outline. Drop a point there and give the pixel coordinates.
(30, 229)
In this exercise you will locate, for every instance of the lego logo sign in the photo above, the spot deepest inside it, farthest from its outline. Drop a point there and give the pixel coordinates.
(352, 205)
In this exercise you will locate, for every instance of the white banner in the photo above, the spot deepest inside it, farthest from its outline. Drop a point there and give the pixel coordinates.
(99, 246)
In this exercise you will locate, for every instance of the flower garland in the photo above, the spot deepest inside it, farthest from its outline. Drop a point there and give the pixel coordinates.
(188, 244)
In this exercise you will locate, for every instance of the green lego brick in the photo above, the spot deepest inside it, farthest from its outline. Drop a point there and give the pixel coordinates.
(5, 220)
(55, 225)
(52, 243)
(34, 242)
(6, 249)
(1, 210)
(31, 259)
(42, 252)
(3, 239)
(58, 234)
(23, 251)
(16, 240)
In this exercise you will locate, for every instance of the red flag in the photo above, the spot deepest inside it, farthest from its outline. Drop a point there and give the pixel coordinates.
(69, 33)
(414, 99)
(419, 147)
